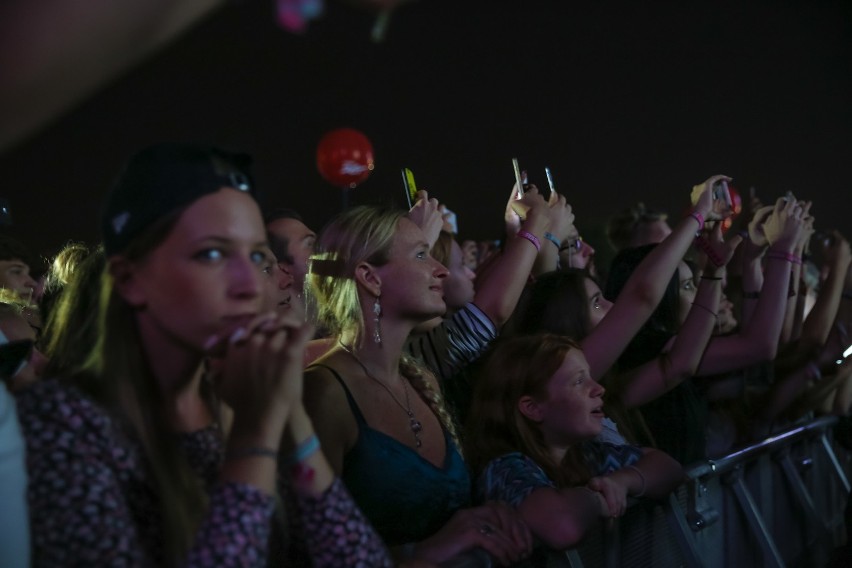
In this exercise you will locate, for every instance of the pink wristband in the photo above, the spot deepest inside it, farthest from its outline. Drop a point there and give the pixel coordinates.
(531, 238)
(784, 256)
(698, 217)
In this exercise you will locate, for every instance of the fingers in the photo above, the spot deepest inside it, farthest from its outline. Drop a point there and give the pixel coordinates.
(513, 526)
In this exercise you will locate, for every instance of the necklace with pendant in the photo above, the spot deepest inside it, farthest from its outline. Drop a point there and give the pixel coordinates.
(413, 423)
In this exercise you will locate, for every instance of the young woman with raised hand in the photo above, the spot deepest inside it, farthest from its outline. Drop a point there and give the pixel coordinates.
(128, 458)
(378, 413)
(671, 405)
(571, 303)
(531, 438)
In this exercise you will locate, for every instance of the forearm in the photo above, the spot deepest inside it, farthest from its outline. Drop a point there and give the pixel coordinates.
(310, 475)
(816, 327)
(499, 291)
(752, 279)
(658, 474)
(764, 329)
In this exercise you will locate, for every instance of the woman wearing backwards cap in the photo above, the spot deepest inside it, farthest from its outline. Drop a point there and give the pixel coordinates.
(129, 460)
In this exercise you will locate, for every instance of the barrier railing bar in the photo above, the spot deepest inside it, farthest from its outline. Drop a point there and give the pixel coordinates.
(682, 533)
(771, 556)
(816, 526)
(844, 480)
(731, 461)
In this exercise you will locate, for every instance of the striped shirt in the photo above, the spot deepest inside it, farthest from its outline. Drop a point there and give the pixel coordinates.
(455, 343)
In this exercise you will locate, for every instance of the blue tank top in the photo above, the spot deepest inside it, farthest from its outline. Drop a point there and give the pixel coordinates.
(406, 498)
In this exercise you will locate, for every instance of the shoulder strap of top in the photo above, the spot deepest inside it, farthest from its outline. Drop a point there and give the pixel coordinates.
(356, 411)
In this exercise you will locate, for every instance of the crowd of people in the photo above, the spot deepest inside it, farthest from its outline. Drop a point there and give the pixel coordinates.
(217, 385)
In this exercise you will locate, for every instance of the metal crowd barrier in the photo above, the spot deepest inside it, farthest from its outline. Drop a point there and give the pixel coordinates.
(777, 503)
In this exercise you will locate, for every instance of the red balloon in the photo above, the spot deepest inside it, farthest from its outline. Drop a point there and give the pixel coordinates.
(345, 157)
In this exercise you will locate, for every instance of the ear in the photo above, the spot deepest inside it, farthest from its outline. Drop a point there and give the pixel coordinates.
(125, 281)
(367, 277)
(529, 407)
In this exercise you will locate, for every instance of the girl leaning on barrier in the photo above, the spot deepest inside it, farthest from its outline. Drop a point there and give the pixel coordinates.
(531, 438)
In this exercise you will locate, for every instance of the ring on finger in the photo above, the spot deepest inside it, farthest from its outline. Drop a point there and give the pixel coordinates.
(486, 530)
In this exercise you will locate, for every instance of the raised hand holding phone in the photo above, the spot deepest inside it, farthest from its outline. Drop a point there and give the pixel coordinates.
(717, 188)
(410, 187)
(427, 215)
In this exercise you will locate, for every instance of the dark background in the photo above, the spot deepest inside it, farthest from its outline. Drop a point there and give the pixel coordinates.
(625, 101)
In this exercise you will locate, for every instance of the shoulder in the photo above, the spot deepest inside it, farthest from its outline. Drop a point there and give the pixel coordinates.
(54, 404)
(471, 318)
(324, 395)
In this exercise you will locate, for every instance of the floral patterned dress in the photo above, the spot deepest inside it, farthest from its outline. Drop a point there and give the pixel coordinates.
(92, 502)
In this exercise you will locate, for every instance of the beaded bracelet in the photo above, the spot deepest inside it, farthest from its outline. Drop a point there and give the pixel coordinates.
(641, 476)
(700, 218)
(706, 309)
(784, 256)
(303, 451)
(552, 238)
(531, 238)
(251, 452)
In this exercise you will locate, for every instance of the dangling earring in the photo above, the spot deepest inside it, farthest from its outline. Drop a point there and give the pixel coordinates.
(377, 327)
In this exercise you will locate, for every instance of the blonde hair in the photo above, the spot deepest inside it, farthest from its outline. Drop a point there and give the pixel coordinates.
(517, 367)
(362, 234)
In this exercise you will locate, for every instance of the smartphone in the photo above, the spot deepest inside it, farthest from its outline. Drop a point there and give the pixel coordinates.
(519, 180)
(551, 186)
(410, 187)
(517, 206)
(14, 356)
(720, 191)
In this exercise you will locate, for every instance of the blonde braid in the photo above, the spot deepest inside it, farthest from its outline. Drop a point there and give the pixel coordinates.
(419, 376)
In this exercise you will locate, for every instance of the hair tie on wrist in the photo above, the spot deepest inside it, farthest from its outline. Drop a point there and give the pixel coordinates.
(711, 277)
(552, 238)
(706, 309)
(531, 238)
(303, 451)
(700, 218)
(789, 257)
(751, 295)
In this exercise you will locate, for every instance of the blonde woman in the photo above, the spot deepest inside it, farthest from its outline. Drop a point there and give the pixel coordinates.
(379, 415)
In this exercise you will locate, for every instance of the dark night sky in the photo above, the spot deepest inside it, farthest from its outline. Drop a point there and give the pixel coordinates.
(623, 100)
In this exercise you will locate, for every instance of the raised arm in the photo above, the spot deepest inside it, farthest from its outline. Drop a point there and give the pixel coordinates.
(658, 376)
(499, 287)
(757, 341)
(645, 288)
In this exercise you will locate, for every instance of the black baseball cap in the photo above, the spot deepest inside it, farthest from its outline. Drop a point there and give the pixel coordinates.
(163, 178)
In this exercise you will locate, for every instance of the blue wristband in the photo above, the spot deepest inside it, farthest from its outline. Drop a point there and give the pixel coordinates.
(303, 451)
(550, 237)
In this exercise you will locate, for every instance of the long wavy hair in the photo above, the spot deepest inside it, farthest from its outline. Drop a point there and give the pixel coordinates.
(517, 367)
(362, 234)
(116, 374)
